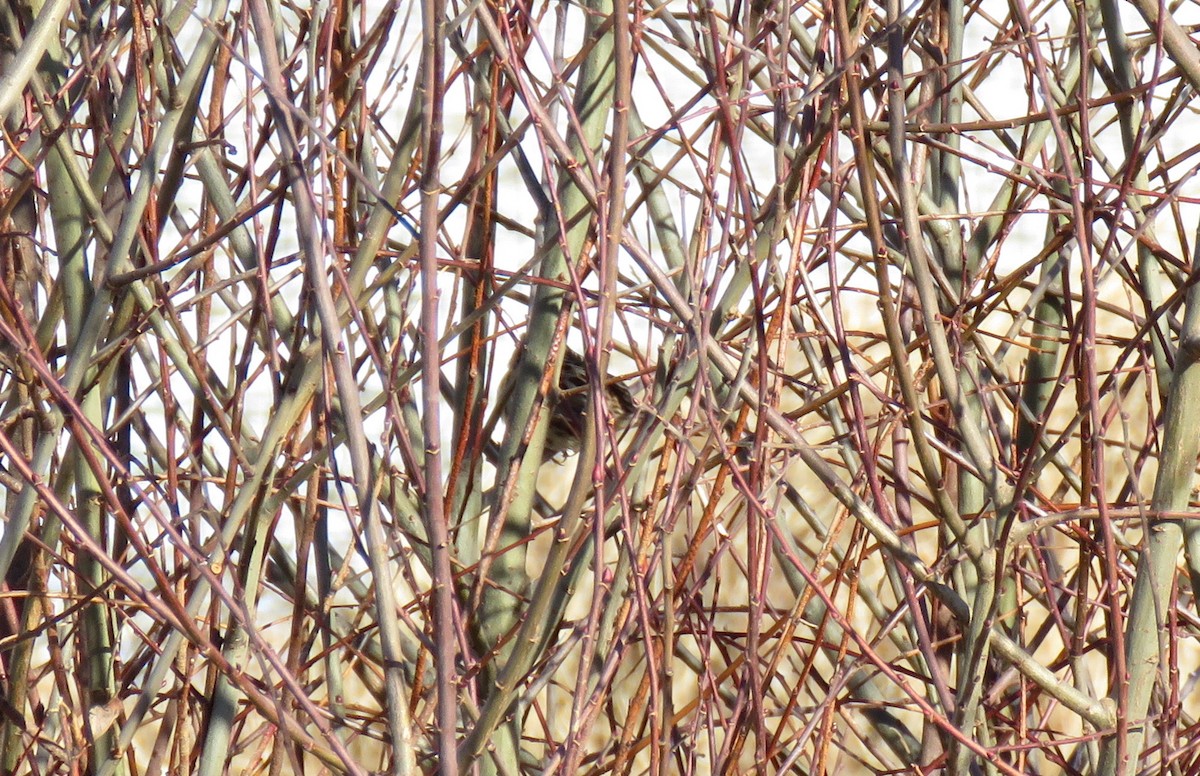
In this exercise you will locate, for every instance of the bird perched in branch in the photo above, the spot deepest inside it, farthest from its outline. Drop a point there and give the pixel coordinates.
(570, 406)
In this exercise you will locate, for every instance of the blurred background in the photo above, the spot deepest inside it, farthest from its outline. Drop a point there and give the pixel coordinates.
(902, 297)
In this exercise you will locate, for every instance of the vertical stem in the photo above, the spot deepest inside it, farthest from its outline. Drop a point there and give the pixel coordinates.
(433, 506)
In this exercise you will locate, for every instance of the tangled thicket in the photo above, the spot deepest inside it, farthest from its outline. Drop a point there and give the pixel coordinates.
(904, 297)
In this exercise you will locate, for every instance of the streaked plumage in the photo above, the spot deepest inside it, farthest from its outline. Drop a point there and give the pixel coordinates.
(569, 408)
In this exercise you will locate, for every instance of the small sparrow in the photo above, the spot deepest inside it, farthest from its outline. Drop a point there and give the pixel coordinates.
(570, 405)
